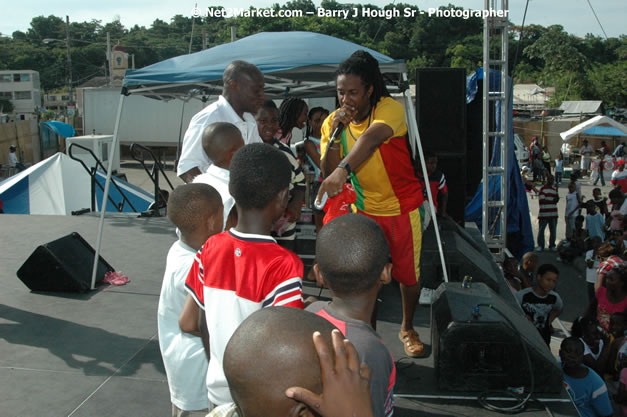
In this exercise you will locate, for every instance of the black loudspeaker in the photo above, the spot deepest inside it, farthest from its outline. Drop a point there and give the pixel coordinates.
(441, 109)
(464, 254)
(441, 117)
(64, 265)
(482, 351)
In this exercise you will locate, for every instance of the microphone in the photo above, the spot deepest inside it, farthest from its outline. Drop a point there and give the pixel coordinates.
(337, 131)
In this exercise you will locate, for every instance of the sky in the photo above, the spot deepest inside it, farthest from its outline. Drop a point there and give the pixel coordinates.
(575, 16)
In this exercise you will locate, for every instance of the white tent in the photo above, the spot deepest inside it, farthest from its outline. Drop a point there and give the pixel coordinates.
(595, 121)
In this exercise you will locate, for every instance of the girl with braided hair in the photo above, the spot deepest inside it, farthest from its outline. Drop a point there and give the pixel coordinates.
(292, 113)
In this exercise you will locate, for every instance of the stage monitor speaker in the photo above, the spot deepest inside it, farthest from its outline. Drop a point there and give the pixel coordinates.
(64, 265)
(484, 351)
(463, 256)
(441, 109)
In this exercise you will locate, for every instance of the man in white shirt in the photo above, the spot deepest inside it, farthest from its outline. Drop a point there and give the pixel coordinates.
(242, 95)
(586, 154)
(13, 161)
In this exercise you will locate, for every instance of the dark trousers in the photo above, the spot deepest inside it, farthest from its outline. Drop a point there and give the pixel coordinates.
(552, 223)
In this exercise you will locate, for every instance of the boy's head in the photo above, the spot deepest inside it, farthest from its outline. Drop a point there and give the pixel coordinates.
(572, 187)
(278, 343)
(616, 196)
(196, 209)
(571, 352)
(260, 175)
(530, 262)
(591, 207)
(353, 255)
(596, 193)
(546, 278)
(12, 148)
(267, 121)
(431, 160)
(595, 242)
(220, 141)
(549, 180)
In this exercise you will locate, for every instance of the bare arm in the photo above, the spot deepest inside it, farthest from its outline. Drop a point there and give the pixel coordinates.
(190, 175)
(367, 144)
(312, 152)
(188, 320)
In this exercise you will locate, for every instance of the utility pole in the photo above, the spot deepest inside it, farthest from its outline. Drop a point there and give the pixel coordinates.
(233, 34)
(204, 39)
(110, 66)
(69, 56)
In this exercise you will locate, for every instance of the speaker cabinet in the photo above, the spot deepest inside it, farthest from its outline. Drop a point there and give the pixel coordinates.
(64, 265)
(484, 351)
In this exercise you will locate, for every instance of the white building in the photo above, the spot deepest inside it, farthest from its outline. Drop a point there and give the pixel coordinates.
(21, 87)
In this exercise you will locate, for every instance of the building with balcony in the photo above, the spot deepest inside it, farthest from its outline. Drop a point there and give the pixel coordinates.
(22, 88)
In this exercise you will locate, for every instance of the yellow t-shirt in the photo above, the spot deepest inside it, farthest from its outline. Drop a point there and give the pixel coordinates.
(385, 183)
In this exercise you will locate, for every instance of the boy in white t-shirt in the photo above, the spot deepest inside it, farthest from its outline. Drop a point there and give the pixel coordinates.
(196, 209)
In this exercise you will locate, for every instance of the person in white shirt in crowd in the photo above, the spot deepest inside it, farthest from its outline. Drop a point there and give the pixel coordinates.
(196, 209)
(586, 152)
(242, 95)
(13, 161)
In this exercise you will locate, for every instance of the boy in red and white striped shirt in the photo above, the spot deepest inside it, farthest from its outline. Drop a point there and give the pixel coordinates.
(243, 270)
(547, 216)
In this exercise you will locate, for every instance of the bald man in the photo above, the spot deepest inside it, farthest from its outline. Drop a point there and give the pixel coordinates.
(242, 95)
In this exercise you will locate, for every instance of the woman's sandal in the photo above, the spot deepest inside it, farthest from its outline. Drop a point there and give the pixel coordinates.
(412, 344)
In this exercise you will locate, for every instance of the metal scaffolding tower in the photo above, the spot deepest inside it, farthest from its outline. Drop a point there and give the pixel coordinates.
(496, 96)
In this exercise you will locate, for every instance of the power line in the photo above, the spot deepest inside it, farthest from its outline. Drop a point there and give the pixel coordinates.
(597, 18)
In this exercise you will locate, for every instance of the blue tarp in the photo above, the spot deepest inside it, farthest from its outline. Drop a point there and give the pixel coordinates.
(60, 128)
(269, 51)
(604, 131)
(518, 219)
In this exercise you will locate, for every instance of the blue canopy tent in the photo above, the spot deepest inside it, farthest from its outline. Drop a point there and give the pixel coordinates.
(298, 64)
(518, 219)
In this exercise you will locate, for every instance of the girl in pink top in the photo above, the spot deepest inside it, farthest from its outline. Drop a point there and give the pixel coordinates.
(611, 298)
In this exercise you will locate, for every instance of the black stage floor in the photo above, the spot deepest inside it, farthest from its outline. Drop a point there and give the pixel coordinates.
(97, 354)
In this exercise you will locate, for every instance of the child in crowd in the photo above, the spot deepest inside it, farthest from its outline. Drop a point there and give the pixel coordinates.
(316, 117)
(559, 168)
(547, 213)
(354, 282)
(540, 303)
(196, 209)
(610, 298)
(585, 386)
(595, 222)
(527, 269)
(281, 342)
(437, 183)
(619, 209)
(244, 270)
(220, 141)
(284, 230)
(572, 209)
(596, 348)
(512, 274)
(568, 250)
(600, 201)
(576, 166)
(593, 262)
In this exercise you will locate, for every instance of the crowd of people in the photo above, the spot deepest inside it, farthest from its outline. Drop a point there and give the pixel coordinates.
(593, 358)
(233, 285)
(232, 288)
